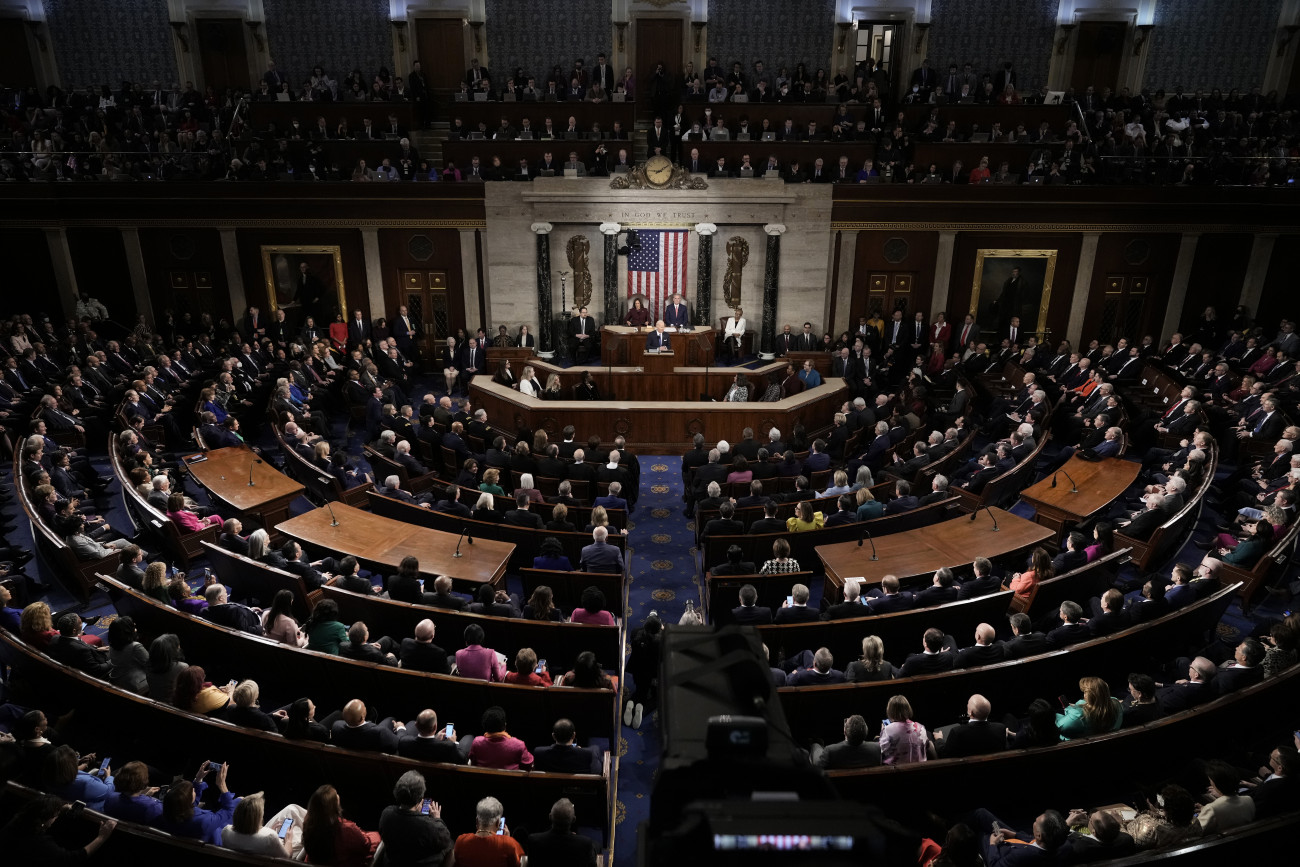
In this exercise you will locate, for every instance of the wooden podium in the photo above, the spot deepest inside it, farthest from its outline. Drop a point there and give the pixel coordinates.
(622, 346)
(1058, 501)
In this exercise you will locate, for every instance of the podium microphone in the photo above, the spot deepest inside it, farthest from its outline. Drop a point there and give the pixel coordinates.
(250, 471)
(463, 535)
(1074, 489)
(975, 514)
(334, 522)
(866, 534)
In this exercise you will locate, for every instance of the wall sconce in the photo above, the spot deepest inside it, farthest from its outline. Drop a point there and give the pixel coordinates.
(255, 27)
(1064, 39)
(621, 28)
(697, 27)
(399, 27)
(1284, 37)
(38, 34)
(921, 30)
(1140, 38)
(477, 28)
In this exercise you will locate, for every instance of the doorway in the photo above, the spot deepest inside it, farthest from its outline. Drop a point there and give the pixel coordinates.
(1098, 55)
(429, 300)
(1124, 310)
(223, 54)
(16, 67)
(878, 40)
(440, 48)
(886, 292)
(658, 40)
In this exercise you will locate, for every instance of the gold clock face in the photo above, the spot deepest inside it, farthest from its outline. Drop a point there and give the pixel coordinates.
(659, 170)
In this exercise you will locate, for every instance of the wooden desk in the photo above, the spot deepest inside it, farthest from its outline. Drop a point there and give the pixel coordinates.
(1098, 482)
(224, 474)
(384, 541)
(918, 552)
(667, 425)
(623, 345)
(655, 378)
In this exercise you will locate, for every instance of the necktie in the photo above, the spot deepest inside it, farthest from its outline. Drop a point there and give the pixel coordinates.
(965, 333)
(1013, 335)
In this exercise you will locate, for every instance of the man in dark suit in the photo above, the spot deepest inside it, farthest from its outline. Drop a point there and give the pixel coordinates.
(1108, 615)
(845, 512)
(1072, 629)
(658, 340)
(903, 500)
(583, 335)
(852, 606)
(1049, 830)
(985, 651)
(1243, 670)
(560, 844)
(68, 648)
(1156, 513)
(420, 653)
(1197, 688)
(734, 565)
(659, 139)
(725, 524)
(1026, 642)
(748, 613)
(890, 598)
(978, 736)
(855, 751)
(795, 609)
(443, 597)
(425, 741)
(564, 756)
(358, 329)
(942, 589)
(769, 523)
(822, 672)
(1073, 556)
(677, 315)
(355, 732)
(600, 556)
(520, 516)
(933, 658)
(223, 612)
(452, 505)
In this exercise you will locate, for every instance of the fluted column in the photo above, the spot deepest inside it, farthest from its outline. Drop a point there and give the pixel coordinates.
(545, 338)
(704, 274)
(610, 273)
(771, 268)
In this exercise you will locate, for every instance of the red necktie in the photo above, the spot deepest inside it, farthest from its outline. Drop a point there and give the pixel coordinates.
(965, 333)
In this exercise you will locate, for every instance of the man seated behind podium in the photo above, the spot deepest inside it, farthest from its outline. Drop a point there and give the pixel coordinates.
(734, 565)
(658, 340)
(749, 613)
(890, 598)
(520, 516)
(677, 315)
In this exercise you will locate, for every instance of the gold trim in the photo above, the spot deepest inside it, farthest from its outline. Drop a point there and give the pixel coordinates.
(268, 274)
(1050, 255)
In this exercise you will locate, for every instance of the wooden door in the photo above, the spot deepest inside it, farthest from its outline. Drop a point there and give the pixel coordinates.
(885, 292)
(430, 300)
(440, 48)
(192, 292)
(658, 40)
(1098, 55)
(16, 68)
(223, 55)
(1124, 309)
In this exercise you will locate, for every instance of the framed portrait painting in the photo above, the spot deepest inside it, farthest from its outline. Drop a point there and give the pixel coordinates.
(304, 281)
(1013, 283)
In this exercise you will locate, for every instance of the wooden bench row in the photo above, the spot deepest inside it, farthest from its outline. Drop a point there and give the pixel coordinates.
(1170, 536)
(182, 545)
(76, 575)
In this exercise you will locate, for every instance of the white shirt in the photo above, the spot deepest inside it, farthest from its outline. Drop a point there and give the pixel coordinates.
(735, 327)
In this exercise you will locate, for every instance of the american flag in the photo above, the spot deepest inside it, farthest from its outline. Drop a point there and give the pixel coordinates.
(658, 269)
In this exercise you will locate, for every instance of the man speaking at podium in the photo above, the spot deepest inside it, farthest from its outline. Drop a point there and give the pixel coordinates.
(677, 315)
(657, 340)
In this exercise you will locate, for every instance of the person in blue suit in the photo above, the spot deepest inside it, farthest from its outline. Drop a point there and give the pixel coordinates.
(677, 314)
(657, 340)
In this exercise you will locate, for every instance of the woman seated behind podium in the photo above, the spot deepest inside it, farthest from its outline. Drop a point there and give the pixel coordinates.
(739, 391)
(804, 518)
(528, 382)
(552, 390)
(637, 315)
(586, 389)
(185, 519)
(504, 375)
(1023, 583)
(485, 509)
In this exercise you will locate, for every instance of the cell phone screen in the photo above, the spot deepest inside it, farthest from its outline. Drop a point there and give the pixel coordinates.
(424, 808)
(789, 600)
(103, 766)
(284, 828)
(501, 826)
(450, 728)
(883, 723)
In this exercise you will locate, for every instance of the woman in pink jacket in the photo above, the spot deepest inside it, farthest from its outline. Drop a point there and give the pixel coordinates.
(185, 519)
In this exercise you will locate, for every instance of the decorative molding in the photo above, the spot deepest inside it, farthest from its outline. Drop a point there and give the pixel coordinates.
(637, 180)
(541, 228)
(706, 228)
(255, 27)
(610, 228)
(774, 229)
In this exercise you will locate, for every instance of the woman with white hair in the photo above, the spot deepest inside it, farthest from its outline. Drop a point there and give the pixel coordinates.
(528, 485)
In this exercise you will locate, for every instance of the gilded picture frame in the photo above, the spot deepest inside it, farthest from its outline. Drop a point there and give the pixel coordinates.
(280, 272)
(993, 270)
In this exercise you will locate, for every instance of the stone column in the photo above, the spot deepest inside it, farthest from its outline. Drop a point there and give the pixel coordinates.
(374, 272)
(135, 266)
(609, 272)
(234, 276)
(943, 278)
(1252, 287)
(470, 279)
(545, 337)
(771, 272)
(1082, 285)
(1178, 284)
(704, 274)
(65, 276)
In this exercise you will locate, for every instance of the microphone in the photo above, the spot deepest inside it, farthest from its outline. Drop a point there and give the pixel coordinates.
(1074, 489)
(463, 535)
(975, 514)
(250, 471)
(866, 534)
(334, 522)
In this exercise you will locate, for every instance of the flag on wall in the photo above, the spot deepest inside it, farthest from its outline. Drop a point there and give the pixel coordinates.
(658, 269)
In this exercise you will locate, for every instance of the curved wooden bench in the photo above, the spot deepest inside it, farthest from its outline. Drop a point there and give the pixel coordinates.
(73, 573)
(818, 711)
(1171, 535)
(300, 766)
(720, 592)
(250, 580)
(322, 484)
(1272, 563)
(1001, 489)
(184, 545)
(285, 672)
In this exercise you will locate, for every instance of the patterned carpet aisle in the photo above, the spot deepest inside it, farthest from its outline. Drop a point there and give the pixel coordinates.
(663, 578)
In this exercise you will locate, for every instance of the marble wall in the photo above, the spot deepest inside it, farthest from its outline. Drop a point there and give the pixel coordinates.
(737, 207)
(1198, 44)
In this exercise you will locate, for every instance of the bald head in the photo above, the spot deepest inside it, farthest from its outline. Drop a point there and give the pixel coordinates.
(978, 707)
(354, 712)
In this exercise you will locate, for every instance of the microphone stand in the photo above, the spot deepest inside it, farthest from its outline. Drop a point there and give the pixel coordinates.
(334, 522)
(462, 536)
(1074, 489)
(250, 471)
(867, 535)
(975, 514)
